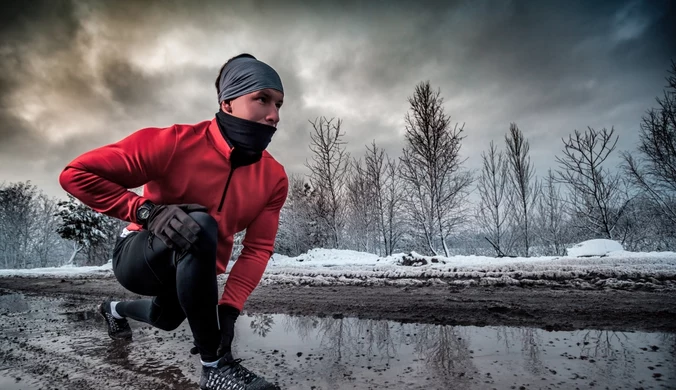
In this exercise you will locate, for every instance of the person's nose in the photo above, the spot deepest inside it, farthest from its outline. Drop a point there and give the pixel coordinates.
(273, 116)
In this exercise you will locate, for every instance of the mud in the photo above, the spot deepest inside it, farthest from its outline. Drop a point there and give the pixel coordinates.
(352, 337)
(549, 309)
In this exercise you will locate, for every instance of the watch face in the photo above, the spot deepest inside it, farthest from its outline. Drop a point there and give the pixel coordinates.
(143, 213)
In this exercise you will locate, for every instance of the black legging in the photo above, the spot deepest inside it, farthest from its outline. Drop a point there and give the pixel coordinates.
(186, 289)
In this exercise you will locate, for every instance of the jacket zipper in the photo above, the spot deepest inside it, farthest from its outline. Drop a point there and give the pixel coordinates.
(227, 184)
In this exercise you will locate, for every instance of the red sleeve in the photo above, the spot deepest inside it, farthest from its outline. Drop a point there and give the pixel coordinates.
(259, 243)
(101, 178)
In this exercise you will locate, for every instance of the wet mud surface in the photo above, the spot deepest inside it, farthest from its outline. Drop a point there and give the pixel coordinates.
(352, 337)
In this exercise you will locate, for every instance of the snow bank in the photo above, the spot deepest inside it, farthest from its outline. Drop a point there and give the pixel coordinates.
(63, 271)
(326, 258)
(617, 269)
(598, 247)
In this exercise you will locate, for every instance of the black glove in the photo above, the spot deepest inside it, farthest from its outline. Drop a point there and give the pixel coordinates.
(227, 316)
(173, 225)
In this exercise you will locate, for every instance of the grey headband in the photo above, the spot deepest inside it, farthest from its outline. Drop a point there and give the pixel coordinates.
(245, 75)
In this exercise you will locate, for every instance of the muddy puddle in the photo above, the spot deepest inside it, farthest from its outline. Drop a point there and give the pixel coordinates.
(48, 343)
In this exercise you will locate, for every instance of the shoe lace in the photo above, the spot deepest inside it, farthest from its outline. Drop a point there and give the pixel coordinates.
(235, 370)
(239, 372)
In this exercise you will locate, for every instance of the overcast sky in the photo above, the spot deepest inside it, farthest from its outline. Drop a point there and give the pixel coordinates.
(77, 76)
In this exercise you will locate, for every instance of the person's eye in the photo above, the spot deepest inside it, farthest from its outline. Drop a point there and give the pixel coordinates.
(262, 99)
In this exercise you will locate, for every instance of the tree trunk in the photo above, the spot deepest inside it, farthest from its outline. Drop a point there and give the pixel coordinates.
(76, 249)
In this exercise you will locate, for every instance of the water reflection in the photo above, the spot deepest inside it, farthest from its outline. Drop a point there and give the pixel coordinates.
(12, 303)
(303, 326)
(380, 354)
(328, 353)
(262, 323)
(669, 341)
(84, 315)
(529, 342)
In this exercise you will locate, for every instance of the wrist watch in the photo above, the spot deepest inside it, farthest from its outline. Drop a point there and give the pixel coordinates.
(143, 212)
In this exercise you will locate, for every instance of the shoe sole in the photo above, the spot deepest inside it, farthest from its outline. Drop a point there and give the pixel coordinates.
(268, 387)
(259, 383)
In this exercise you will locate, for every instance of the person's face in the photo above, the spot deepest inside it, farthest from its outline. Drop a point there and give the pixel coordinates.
(260, 106)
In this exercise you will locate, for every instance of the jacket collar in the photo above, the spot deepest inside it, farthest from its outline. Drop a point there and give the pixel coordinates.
(218, 140)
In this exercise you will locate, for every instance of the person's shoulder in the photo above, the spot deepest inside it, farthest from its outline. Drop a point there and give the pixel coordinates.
(192, 128)
(273, 165)
(271, 160)
(178, 127)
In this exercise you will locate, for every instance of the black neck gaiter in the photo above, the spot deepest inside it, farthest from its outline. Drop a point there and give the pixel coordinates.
(247, 138)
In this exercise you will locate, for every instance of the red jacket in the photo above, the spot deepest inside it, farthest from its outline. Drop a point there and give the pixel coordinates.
(189, 164)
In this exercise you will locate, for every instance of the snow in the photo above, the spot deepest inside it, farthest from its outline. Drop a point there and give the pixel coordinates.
(338, 267)
(598, 247)
(328, 258)
(63, 271)
(611, 268)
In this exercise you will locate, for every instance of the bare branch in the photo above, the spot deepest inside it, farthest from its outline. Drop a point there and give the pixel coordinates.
(595, 193)
(521, 175)
(431, 168)
(328, 174)
(653, 170)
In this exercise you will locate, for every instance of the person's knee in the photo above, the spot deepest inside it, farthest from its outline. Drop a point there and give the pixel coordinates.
(208, 229)
(207, 223)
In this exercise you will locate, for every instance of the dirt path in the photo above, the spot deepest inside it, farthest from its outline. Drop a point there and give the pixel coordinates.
(51, 338)
(545, 308)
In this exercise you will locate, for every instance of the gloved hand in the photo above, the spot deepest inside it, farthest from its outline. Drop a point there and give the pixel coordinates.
(227, 316)
(173, 225)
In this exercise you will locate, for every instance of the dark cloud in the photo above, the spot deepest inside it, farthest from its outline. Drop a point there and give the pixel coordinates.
(76, 75)
(49, 26)
(127, 84)
(54, 21)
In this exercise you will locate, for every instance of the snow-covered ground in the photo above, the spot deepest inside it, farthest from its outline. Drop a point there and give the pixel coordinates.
(600, 266)
(617, 269)
(61, 272)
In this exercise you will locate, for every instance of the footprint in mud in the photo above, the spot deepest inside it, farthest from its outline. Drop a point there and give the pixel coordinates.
(79, 316)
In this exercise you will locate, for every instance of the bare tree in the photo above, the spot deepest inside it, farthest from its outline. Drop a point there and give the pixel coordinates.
(641, 227)
(524, 186)
(381, 172)
(362, 222)
(430, 166)
(653, 171)
(29, 225)
(45, 240)
(492, 211)
(328, 171)
(595, 194)
(17, 219)
(550, 219)
(374, 172)
(393, 202)
(298, 231)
